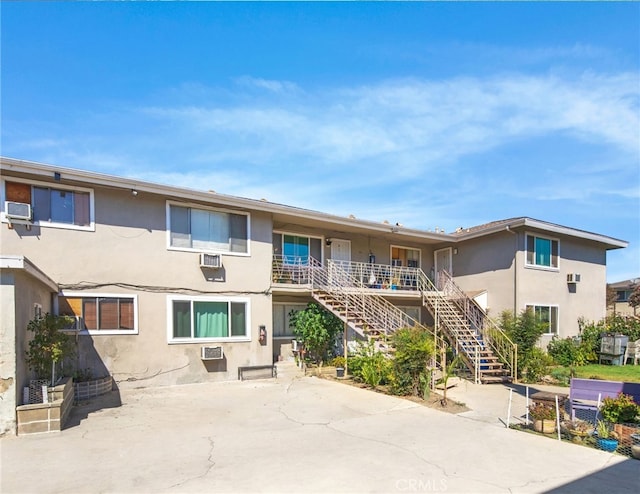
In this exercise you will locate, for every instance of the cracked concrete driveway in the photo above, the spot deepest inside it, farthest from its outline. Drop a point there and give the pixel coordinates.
(298, 435)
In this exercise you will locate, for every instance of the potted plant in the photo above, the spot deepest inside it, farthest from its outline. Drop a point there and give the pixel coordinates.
(619, 411)
(544, 417)
(577, 429)
(339, 363)
(49, 345)
(607, 440)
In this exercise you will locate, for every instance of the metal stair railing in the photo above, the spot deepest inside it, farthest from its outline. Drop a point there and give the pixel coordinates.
(495, 338)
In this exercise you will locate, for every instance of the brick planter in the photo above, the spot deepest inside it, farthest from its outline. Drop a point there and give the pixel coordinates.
(38, 418)
(90, 389)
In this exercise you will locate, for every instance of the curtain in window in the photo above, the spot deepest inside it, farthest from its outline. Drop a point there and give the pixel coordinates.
(61, 206)
(179, 218)
(41, 204)
(81, 208)
(210, 319)
(543, 252)
(126, 313)
(296, 249)
(238, 319)
(89, 313)
(239, 234)
(209, 230)
(181, 319)
(108, 313)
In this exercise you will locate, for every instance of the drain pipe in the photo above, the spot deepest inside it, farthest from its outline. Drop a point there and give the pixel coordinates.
(515, 272)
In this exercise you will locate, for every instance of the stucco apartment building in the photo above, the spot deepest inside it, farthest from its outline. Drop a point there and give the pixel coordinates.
(172, 285)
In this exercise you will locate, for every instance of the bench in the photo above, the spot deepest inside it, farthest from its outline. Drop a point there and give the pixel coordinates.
(587, 394)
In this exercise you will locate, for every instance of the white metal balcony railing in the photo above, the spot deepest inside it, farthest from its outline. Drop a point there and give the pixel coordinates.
(353, 283)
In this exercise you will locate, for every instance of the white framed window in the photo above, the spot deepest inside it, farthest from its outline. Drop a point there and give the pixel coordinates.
(195, 228)
(547, 315)
(282, 318)
(199, 319)
(296, 248)
(542, 252)
(405, 256)
(52, 205)
(101, 314)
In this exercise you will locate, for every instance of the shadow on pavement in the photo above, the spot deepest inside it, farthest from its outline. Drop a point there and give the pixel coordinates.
(81, 410)
(605, 480)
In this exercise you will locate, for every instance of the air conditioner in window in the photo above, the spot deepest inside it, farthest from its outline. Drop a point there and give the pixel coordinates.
(210, 261)
(573, 278)
(211, 353)
(295, 346)
(17, 210)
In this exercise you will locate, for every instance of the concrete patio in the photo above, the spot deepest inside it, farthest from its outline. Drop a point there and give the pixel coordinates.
(299, 434)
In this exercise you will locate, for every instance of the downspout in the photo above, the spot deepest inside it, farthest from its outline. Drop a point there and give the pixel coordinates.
(515, 272)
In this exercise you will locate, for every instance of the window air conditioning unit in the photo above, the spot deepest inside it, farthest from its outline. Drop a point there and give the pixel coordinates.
(210, 261)
(295, 346)
(573, 278)
(17, 210)
(211, 353)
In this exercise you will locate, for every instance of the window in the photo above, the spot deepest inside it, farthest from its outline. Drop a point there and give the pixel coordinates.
(281, 318)
(405, 256)
(208, 230)
(623, 295)
(296, 249)
(100, 314)
(413, 312)
(542, 252)
(207, 319)
(548, 315)
(52, 205)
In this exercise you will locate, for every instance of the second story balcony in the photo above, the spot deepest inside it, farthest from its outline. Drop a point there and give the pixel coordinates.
(296, 272)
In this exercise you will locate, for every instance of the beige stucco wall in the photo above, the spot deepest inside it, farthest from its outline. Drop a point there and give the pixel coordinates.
(488, 264)
(128, 254)
(18, 294)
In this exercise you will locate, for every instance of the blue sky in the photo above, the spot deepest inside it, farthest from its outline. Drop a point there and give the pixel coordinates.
(428, 114)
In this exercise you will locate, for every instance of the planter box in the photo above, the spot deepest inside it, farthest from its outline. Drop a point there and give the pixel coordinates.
(86, 390)
(38, 418)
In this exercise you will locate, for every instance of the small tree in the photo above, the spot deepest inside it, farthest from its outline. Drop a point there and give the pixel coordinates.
(49, 345)
(414, 350)
(525, 331)
(634, 298)
(316, 328)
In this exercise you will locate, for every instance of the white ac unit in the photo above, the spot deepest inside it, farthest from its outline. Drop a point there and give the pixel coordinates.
(295, 346)
(573, 278)
(17, 210)
(210, 261)
(211, 353)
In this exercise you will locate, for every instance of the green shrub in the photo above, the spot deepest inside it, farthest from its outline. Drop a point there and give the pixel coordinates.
(619, 410)
(525, 331)
(316, 328)
(567, 351)
(536, 365)
(414, 350)
(49, 344)
(370, 366)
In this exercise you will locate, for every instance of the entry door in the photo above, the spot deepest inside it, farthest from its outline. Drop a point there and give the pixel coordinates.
(340, 250)
(443, 260)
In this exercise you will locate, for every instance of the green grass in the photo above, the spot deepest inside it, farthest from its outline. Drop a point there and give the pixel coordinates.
(627, 373)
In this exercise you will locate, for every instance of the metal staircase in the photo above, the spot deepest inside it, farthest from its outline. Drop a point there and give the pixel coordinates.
(486, 349)
(342, 288)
